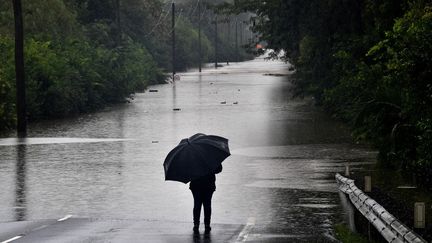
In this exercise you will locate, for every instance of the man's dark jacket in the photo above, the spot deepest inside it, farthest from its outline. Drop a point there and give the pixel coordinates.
(205, 183)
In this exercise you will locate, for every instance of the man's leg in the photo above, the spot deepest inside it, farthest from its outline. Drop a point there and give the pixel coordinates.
(198, 201)
(207, 210)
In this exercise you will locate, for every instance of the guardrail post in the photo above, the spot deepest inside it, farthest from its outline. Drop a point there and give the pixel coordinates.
(368, 184)
(389, 227)
(369, 231)
(419, 215)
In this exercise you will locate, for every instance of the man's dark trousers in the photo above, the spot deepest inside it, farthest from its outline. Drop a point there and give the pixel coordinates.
(202, 197)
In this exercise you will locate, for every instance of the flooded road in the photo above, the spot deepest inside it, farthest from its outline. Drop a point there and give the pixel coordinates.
(108, 165)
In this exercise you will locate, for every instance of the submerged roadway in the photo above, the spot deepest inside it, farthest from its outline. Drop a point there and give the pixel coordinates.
(99, 177)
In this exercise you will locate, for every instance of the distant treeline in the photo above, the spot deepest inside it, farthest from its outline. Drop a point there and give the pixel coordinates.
(369, 62)
(81, 55)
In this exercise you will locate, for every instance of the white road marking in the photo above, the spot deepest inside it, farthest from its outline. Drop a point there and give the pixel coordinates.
(12, 239)
(40, 227)
(65, 217)
(246, 230)
(37, 228)
(46, 140)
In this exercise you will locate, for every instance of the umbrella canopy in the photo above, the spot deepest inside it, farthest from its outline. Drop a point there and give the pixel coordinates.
(195, 157)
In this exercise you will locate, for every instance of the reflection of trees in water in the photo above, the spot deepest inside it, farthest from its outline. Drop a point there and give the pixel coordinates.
(200, 96)
(20, 190)
(174, 103)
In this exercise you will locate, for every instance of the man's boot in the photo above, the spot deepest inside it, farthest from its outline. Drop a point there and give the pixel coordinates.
(207, 229)
(196, 228)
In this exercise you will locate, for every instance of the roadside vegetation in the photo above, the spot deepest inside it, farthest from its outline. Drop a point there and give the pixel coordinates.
(345, 235)
(81, 55)
(368, 62)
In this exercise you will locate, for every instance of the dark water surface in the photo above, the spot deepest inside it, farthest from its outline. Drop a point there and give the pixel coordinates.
(108, 165)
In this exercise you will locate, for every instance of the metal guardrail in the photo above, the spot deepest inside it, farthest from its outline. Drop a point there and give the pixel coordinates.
(390, 227)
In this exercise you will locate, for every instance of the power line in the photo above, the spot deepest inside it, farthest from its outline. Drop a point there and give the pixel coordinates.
(177, 20)
(196, 6)
(159, 21)
(192, 9)
(157, 24)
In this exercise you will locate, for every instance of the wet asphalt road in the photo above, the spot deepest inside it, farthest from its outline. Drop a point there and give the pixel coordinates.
(99, 177)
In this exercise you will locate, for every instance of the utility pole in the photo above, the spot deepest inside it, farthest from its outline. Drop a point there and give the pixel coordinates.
(118, 22)
(228, 34)
(19, 70)
(241, 33)
(228, 37)
(173, 41)
(216, 41)
(236, 41)
(251, 37)
(199, 36)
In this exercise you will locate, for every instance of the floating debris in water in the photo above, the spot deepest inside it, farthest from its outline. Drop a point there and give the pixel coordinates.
(235, 103)
(155, 141)
(176, 109)
(407, 187)
(312, 205)
(276, 74)
(153, 90)
(223, 102)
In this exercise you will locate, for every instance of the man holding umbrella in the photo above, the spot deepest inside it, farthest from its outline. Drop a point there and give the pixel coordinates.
(202, 191)
(197, 159)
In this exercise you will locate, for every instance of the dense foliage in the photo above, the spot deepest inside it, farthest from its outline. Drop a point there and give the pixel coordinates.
(369, 62)
(81, 55)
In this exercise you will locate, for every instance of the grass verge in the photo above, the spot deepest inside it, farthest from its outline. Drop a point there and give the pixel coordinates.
(344, 234)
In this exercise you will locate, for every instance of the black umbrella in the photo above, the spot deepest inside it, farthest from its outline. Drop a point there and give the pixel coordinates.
(195, 157)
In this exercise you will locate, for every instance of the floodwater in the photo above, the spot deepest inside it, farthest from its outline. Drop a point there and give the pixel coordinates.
(108, 165)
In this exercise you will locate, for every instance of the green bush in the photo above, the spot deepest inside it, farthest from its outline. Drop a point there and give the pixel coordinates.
(344, 234)
(71, 77)
(187, 43)
(79, 59)
(7, 92)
